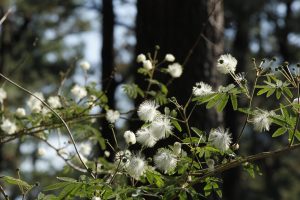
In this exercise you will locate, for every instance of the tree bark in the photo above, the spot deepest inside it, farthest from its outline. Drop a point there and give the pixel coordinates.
(107, 55)
(178, 26)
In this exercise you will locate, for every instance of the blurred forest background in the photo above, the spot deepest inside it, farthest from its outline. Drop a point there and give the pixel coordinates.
(40, 40)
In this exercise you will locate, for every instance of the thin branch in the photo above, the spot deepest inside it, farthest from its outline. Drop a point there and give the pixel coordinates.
(56, 114)
(67, 161)
(3, 193)
(238, 162)
(5, 16)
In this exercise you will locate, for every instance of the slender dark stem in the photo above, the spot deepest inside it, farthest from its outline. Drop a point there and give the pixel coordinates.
(4, 17)
(249, 107)
(3, 193)
(115, 138)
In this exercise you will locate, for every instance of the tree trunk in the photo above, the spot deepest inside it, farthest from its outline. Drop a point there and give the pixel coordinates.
(176, 26)
(192, 31)
(107, 55)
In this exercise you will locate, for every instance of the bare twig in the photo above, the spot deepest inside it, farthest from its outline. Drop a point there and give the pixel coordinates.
(4, 17)
(3, 193)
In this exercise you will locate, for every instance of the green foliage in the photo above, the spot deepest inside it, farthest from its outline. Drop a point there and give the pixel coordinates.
(197, 156)
(24, 187)
(132, 90)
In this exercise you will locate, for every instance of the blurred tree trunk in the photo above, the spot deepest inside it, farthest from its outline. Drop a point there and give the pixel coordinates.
(175, 26)
(282, 32)
(232, 118)
(192, 31)
(107, 55)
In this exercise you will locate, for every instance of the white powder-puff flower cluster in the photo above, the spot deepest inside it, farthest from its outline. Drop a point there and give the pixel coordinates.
(175, 70)
(96, 198)
(136, 167)
(34, 104)
(8, 126)
(262, 120)
(3, 95)
(160, 125)
(112, 116)
(145, 137)
(220, 139)
(78, 92)
(54, 102)
(226, 64)
(129, 137)
(202, 89)
(165, 160)
(147, 111)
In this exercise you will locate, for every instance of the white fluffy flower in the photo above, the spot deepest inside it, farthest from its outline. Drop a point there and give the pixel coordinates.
(85, 65)
(85, 149)
(78, 92)
(54, 102)
(169, 57)
(34, 104)
(147, 111)
(262, 120)
(177, 148)
(175, 70)
(226, 64)
(136, 167)
(147, 64)
(165, 160)
(129, 137)
(145, 137)
(220, 139)
(161, 127)
(202, 89)
(8, 126)
(20, 112)
(112, 116)
(3, 95)
(140, 58)
(96, 198)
